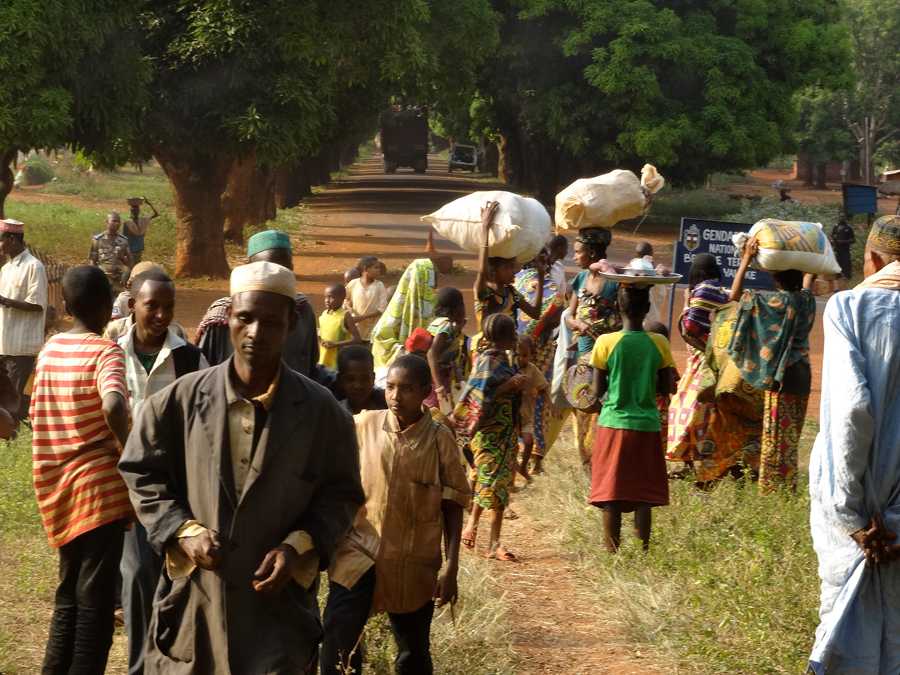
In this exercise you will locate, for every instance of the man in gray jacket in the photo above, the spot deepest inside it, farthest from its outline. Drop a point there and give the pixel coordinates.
(246, 477)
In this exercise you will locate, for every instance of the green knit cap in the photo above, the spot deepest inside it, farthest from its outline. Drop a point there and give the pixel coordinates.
(265, 241)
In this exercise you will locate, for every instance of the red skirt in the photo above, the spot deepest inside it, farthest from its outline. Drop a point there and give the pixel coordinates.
(628, 466)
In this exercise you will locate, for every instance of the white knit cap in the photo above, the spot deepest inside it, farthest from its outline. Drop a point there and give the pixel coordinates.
(264, 276)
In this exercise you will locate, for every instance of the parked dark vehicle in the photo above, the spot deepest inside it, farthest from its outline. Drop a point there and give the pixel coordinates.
(463, 157)
(404, 139)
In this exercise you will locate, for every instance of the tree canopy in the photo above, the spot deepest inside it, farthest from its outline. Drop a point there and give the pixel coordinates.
(71, 75)
(693, 86)
(273, 79)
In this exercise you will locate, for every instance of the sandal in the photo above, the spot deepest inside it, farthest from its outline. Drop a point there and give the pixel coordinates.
(468, 538)
(502, 554)
(509, 514)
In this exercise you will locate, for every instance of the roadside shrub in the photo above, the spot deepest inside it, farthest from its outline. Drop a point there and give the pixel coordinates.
(750, 212)
(35, 171)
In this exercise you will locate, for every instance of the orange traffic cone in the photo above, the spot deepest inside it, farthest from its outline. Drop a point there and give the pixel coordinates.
(429, 247)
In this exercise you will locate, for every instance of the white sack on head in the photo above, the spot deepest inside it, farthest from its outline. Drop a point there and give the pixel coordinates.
(790, 245)
(520, 228)
(651, 179)
(601, 201)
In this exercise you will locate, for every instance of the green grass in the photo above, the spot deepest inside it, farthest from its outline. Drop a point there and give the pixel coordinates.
(65, 231)
(479, 642)
(729, 585)
(725, 179)
(28, 565)
(115, 186)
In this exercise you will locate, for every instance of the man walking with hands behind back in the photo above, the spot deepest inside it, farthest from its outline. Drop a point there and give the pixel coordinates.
(854, 470)
(23, 301)
(246, 477)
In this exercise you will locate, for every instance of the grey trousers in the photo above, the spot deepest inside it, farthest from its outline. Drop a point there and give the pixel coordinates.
(140, 568)
(19, 369)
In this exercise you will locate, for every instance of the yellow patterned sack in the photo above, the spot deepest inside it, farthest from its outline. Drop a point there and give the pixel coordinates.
(791, 245)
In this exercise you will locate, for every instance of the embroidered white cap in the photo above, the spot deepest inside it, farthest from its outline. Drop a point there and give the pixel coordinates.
(263, 276)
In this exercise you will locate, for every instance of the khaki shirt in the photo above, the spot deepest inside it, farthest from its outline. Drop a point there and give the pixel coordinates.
(103, 252)
(405, 475)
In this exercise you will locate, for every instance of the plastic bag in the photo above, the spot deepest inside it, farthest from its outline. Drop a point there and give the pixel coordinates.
(791, 245)
(521, 224)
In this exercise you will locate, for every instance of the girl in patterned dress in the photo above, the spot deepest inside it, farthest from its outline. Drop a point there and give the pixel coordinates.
(592, 313)
(770, 345)
(688, 421)
(494, 292)
(488, 415)
(443, 355)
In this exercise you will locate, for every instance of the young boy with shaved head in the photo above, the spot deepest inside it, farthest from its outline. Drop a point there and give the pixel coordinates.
(390, 560)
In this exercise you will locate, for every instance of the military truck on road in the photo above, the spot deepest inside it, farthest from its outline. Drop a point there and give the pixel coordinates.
(404, 139)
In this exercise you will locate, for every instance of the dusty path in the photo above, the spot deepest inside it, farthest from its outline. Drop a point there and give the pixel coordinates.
(553, 617)
(557, 624)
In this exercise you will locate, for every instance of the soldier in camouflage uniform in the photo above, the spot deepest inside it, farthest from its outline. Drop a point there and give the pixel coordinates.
(110, 252)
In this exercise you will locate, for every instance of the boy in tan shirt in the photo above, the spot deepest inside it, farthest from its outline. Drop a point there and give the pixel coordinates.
(390, 560)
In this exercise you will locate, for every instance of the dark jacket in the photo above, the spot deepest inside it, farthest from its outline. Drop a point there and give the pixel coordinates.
(304, 476)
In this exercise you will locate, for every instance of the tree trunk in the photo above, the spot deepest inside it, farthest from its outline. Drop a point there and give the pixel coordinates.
(349, 153)
(198, 182)
(809, 177)
(292, 183)
(248, 199)
(509, 163)
(334, 159)
(490, 159)
(320, 173)
(546, 175)
(6, 177)
(821, 172)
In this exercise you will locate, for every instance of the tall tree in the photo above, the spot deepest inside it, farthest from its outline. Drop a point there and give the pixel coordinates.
(874, 30)
(693, 86)
(234, 80)
(822, 134)
(70, 74)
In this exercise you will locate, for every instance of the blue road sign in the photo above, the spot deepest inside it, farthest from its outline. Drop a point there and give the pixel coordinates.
(711, 236)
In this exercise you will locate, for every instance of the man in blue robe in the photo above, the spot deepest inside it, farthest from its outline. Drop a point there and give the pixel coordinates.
(855, 470)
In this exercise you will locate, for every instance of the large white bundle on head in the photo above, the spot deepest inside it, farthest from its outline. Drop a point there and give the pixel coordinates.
(790, 245)
(520, 228)
(604, 200)
(651, 179)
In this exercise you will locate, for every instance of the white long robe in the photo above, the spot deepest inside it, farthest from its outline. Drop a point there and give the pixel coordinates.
(855, 474)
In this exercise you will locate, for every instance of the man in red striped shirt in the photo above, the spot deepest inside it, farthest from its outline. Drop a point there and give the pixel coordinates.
(80, 418)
